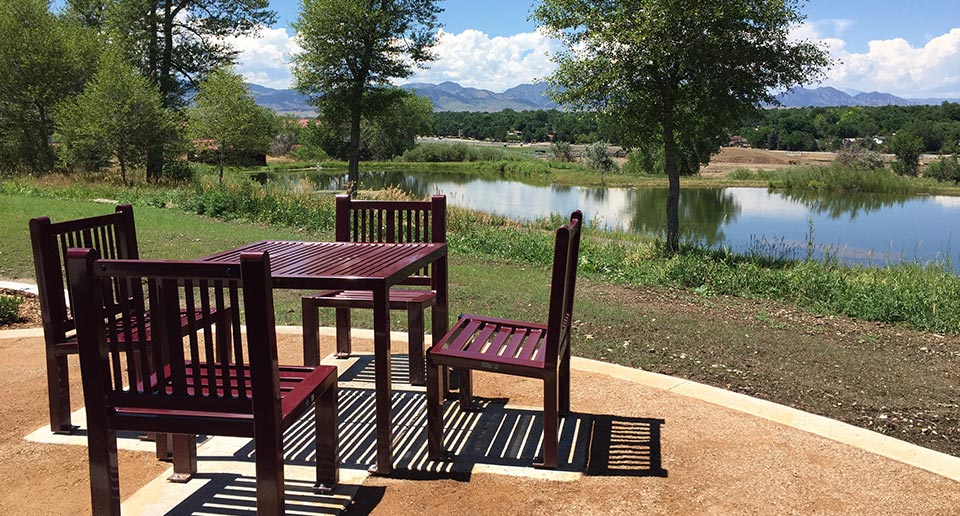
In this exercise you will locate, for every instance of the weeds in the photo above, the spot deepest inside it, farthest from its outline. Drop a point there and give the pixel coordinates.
(10, 309)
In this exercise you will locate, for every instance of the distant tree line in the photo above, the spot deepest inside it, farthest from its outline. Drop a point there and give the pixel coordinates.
(524, 126)
(827, 128)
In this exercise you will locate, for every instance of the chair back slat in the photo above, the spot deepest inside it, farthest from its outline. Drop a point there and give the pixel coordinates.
(393, 222)
(566, 254)
(173, 360)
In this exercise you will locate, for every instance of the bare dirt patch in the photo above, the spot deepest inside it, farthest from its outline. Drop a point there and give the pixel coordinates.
(880, 377)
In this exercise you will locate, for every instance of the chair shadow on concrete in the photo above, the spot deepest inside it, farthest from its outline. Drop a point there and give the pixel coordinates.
(625, 447)
(232, 494)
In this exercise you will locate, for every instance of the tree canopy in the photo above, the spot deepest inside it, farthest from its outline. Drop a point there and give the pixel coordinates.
(226, 114)
(45, 59)
(352, 49)
(175, 43)
(681, 71)
(118, 114)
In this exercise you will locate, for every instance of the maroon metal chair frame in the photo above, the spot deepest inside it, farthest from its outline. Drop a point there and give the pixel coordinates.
(515, 348)
(382, 222)
(114, 236)
(216, 385)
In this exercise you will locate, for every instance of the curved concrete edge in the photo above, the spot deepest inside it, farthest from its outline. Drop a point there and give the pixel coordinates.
(892, 448)
(25, 287)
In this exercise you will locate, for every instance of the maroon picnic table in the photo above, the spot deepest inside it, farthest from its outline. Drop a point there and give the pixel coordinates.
(358, 266)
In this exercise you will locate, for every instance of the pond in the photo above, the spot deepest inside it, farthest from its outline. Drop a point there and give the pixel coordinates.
(864, 228)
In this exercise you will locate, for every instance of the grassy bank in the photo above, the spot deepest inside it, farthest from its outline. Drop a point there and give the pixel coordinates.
(921, 296)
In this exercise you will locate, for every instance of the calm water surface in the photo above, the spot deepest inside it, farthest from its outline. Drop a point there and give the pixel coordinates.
(865, 228)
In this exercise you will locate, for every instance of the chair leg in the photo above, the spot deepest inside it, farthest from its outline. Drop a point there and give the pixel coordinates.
(325, 428)
(104, 473)
(466, 388)
(415, 342)
(343, 333)
(435, 376)
(269, 472)
(58, 392)
(551, 423)
(184, 457)
(311, 332)
(563, 374)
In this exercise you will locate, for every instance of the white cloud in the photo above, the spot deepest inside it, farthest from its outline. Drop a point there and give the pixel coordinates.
(265, 60)
(894, 65)
(473, 59)
(470, 58)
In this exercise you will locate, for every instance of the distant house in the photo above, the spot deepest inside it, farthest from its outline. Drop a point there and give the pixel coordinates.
(738, 141)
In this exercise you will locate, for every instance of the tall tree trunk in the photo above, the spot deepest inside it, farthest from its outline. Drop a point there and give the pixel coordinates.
(220, 161)
(353, 172)
(155, 149)
(123, 168)
(673, 193)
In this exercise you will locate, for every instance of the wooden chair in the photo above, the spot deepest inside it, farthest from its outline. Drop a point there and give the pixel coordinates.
(113, 236)
(380, 221)
(227, 384)
(516, 348)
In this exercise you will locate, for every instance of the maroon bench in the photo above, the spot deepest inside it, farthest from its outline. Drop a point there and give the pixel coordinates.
(224, 384)
(518, 348)
(390, 222)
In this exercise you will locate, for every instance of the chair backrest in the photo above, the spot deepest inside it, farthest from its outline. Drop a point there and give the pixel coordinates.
(174, 293)
(113, 235)
(393, 222)
(566, 253)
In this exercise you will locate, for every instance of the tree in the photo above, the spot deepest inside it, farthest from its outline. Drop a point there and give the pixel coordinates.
(394, 129)
(351, 51)
(907, 147)
(45, 59)
(226, 114)
(175, 43)
(119, 114)
(677, 70)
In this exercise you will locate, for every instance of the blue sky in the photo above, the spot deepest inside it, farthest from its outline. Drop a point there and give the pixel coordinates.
(908, 48)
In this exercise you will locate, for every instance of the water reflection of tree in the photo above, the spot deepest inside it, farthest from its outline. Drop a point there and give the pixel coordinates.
(842, 205)
(703, 211)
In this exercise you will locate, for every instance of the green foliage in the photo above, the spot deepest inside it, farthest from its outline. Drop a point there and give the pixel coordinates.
(946, 168)
(562, 151)
(45, 59)
(451, 152)
(9, 309)
(534, 125)
(352, 49)
(840, 179)
(118, 114)
(175, 43)
(598, 157)
(225, 113)
(393, 130)
(857, 156)
(907, 147)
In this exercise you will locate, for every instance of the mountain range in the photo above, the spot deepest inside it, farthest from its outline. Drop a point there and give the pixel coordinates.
(450, 96)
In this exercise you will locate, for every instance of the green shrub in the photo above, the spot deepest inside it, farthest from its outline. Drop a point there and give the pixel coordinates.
(857, 156)
(598, 157)
(452, 153)
(947, 168)
(9, 309)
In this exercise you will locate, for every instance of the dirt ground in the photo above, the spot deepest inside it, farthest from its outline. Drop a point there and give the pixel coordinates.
(732, 158)
(704, 459)
(875, 376)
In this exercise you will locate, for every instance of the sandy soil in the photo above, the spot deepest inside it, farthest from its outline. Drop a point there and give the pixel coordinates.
(711, 460)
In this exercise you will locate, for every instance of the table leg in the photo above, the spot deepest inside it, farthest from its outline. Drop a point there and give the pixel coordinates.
(384, 394)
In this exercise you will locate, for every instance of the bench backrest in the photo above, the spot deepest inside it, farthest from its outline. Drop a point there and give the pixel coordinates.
(172, 291)
(393, 222)
(113, 235)
(566, 253)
